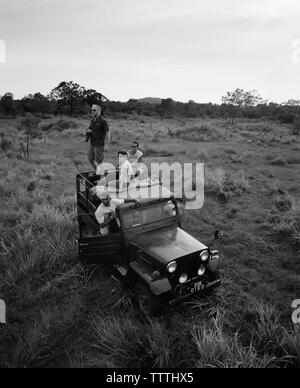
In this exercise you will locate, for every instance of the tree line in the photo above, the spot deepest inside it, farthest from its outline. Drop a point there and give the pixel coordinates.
(70, 98)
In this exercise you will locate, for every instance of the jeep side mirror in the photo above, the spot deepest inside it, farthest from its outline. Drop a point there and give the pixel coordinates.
(219, 234)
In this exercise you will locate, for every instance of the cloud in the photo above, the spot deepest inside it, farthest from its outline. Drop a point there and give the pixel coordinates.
(18, 6)
(2, 51)
(139, 45)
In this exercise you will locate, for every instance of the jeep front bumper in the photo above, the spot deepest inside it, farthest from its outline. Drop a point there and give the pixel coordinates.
(183, 292)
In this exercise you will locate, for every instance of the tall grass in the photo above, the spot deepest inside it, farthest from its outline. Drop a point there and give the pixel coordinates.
(217, 349)
(124, 342)
(201, 133)
(56, 314)
(291, 345)
(37, 261)
(286, 223)
(221, 181)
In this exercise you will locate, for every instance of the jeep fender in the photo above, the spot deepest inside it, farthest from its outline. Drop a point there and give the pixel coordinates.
(144, 272)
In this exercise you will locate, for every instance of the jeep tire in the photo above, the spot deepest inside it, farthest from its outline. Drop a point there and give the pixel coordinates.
(149, 304)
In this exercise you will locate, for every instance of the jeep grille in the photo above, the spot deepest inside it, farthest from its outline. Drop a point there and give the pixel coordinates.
(189, 266)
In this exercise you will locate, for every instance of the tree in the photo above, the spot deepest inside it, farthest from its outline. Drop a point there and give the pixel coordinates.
(7, 101)
(70, 93)
(42, 104)
(167, 107)
(27, 103)
(91, 96)
(29, 126)
(289, 111)
(37, 103)
(292, 103)
(239, 99)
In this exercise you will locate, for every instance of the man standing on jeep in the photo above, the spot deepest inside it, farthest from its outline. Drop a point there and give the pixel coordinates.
(99, 136)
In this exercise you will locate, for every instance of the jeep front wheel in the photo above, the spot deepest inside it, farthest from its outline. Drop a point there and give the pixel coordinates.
(148, 303)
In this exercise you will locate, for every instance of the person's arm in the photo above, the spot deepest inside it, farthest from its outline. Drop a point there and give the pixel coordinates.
(140, 158)
(98, 190)
(101, 219)
(110, 218)
(135, 201)
(88, 134)
(122, 201)
(89, 130)
(125, 176)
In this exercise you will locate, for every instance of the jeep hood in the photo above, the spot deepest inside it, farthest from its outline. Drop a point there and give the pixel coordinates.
(167, 244)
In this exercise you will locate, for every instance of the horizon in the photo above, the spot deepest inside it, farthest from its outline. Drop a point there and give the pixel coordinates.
(139, 50)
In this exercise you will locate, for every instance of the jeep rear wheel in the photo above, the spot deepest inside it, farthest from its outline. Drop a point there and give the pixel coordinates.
(148, 303)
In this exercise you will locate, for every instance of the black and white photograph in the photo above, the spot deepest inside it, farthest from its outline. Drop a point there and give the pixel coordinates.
(149, 187)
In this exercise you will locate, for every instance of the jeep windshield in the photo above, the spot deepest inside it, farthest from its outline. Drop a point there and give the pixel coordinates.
(134, 218)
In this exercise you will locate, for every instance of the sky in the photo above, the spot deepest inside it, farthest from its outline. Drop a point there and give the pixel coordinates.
(185, 50)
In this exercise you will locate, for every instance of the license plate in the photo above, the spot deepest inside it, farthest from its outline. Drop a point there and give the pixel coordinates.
(197, 287)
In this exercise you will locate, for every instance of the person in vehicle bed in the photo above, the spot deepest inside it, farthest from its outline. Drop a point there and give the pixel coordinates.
(124, 174)
(106, 212)
(135, 156)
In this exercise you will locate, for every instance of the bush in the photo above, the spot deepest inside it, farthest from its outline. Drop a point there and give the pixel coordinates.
(217, 349)
(202, 156)
(287, 224)
(296, 129)
(268, 330)
(150, 152)
(238, 159)
(122, 342)
(59, 125)
(291, 345)
(5, 144)
(286, 118)
(283, 202)
(279, 161)
(222, 182)
(157, 136)
(198, 134)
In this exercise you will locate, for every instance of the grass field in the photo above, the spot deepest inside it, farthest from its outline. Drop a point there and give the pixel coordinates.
(62, 315)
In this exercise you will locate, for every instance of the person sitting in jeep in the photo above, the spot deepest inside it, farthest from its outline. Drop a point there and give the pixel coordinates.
(106, 213)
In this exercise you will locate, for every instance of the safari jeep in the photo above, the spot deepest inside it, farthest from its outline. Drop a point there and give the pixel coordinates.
(149, 252)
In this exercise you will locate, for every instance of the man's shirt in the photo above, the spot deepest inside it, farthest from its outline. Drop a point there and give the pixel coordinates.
(103, 212)
(126, 173)
(135, 158)
(99, 128)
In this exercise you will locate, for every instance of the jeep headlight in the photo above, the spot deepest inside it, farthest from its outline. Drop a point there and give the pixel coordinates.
(172, 267)
(201, 270)
(204, 256)
(183, 278)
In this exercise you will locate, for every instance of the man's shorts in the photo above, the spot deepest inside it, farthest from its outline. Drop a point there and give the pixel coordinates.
(96, 154)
